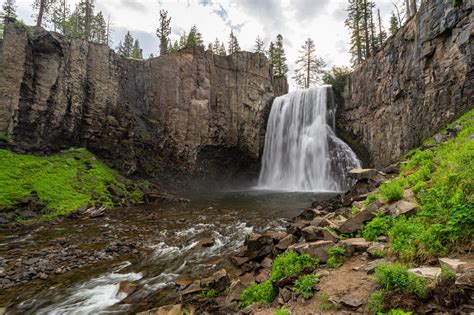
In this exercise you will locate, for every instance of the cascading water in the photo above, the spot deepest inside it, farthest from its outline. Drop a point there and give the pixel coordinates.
(302, 151)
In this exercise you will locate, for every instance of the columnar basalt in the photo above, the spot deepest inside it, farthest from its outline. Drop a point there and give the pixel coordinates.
(170, 117)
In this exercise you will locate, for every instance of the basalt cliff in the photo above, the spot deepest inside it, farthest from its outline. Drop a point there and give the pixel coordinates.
(417, 83)
(186, 114)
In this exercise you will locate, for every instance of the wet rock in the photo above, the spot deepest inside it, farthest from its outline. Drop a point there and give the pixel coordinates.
(266, 263)
(403, 207)
(308, 214)
(284, 243)
(296, 227)
(276, 236)
(246, 279)
(465, 280)
(312, 233)
(235, 290)
(355, 245)
(88, 212)
(250, 266)
(194, 287)
(359, 173)
(184, 282)
(316, 249)
(426, 272)
(453, 264)
(356, 222)
(206, 242)
(351, 301)
(177, 309)
(127, 287)
(258, 245)
(392, 169)
(238, 261)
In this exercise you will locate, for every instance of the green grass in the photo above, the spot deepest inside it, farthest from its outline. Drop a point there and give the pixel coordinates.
(447, 274)
(304, 286)
(64, 181)
(398, 312)
(282, 311)
(395, 277)
(207, 293)
(376, 301)
(284, 265)
(442, 180)
(379, 226)
(324, 303)
(337, 255)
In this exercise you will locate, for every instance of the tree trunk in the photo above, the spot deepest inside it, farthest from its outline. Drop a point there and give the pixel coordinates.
(407, 4)
(64, 18)
(413, 7)
(39, 20)
(380, 28)
(357, 25)
(366, 30)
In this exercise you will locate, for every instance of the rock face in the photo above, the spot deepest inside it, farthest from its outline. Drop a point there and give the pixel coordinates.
(180, 115)
(418, 82)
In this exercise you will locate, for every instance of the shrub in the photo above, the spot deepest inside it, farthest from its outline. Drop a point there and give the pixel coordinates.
(376, 301)
(370, 199)
(378, 253)
(324, 303)
(392, 191)
(447, 274)
(304, 285)
(380, 225)
(261, 293)
(282, 311)
(288, 264)
(419, 187)
(398, 312)
(337, 256)
(207, 293)
(396, 278)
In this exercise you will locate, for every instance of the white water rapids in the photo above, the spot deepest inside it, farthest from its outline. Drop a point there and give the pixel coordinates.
(302, 151)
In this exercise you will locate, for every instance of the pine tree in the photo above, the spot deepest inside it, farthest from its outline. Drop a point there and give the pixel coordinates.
(2, 26)
(310, 66)
(175, 46)
(216, 46)
(136, 50)
(183, 40)
(222, 50)
(259, 45)
(194, 38)
(382, 34)
(372, 28)
(163, 31)
(60, 17)
(365, 24)
(88, 15)
(44, 8)
(99, 29)
(109, 32)
(353, 22)
(280, 68)
(125, 48)
(393, 24)
(233, 43)
(80, 21)
(9, 9)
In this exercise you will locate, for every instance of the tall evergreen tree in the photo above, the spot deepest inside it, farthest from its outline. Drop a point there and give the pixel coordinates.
(216, 46)
(175, 46)
(99, 29)
(280, 68)
(125, 48)
(271, 53)
(394, 26)
(233, 43)
(259, 45)
(9, 9)
(382, 34)
(163, 31)
(310, 66)
(44, 8)
(136, 50)
(222, 50)
(109, 32)
(60, 17)
(194, 38)
(353, 22)
(88, 15)
(183, 40)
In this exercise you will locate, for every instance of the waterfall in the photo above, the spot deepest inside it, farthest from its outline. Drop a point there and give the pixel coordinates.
(302, 151)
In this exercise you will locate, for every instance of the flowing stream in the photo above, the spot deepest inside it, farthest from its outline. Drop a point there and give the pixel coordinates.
(170, 235)
(302, 151)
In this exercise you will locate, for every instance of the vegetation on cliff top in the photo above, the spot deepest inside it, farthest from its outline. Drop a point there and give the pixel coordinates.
(62, 182)
(442, 179)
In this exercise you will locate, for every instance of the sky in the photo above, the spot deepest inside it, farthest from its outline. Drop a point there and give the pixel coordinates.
(296, 20)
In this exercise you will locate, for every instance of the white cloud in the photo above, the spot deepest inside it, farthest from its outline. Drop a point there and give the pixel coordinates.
(296, 20)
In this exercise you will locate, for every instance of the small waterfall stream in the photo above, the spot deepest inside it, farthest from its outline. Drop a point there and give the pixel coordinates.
(302, 151)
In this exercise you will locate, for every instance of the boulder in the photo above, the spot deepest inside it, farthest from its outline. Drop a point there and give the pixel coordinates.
(235, 289)
(356, 222)
(266, 263)
(258, 245)
(219, 281)
(238, 261)
(284, 296)
(206, 242)
(287, 241)
(453, 264)
(312, 233)
(355, 245)
(370, 267)
(403, 207)
(246, 279)
(276, 236)
(263, 275)
(316, 249)
(376, 248)
(426, 272)
(351, 301)
(308, 214)
(359, 173)
(192, 288)
(127, 287)
(296, 227)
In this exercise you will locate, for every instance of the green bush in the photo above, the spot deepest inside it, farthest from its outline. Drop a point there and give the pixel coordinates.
(392, 191)
(378, 253)
(289, 263)
(207, 293)
(376, 301)
(337, 255)
(304, 285)
(324, 303)
(371, 199)
(380, 225)
(396, 278)
(282, 311)
(261, 293)
(419, 187)
(447, 274)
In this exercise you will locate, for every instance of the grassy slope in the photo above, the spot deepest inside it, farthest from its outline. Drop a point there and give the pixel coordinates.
(442, 179)
(65, 181)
